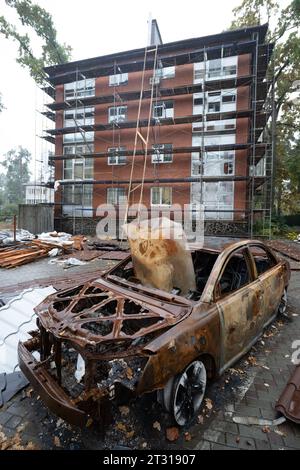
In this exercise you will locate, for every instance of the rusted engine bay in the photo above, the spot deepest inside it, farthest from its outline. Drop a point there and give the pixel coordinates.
(110, 333)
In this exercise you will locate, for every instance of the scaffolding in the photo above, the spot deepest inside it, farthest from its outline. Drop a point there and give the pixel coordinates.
(257, 145)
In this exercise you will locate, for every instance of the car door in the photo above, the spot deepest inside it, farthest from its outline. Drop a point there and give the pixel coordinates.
(238, 298)
(270, 274)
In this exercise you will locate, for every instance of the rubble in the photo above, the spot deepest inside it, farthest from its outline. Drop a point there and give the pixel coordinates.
(24, 253)
(7, 237)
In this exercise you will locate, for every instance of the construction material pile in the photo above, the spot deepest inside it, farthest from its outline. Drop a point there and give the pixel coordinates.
(23, 253)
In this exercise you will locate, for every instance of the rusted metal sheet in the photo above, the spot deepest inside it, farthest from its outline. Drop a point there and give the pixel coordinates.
(135, 339)
(289, 402)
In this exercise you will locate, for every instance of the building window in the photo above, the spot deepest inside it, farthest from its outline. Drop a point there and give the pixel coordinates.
(78, 149)
(78, 200)
(78, 169)
(78, 137)
(214, 164)
(199, 72)
(118, 79)
(115, 156)
(165, 72)
(223, 67)
(215, 126)
(219, 163)
(80, 89)
(219, 200)
(213, 140)
(214, 68)
(161, 196)
(163, 153)
(116, 196)
(163, 110)
(79, 117)
(117, 114)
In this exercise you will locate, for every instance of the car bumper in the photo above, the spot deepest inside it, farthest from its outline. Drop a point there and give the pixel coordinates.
(48, 389)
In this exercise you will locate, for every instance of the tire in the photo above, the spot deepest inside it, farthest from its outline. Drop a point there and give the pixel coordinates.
(187, 395)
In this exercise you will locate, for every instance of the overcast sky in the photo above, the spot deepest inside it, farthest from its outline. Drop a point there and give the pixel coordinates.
(94, 28)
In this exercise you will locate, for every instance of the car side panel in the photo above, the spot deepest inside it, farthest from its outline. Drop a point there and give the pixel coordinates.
(172, 352)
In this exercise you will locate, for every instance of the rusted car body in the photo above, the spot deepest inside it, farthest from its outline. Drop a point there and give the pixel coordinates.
(135, 340)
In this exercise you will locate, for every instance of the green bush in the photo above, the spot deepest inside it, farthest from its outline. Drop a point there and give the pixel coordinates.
(8, 210)
(278, 229)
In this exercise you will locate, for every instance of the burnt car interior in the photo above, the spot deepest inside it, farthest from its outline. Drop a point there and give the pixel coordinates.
(235, 276)
(203, 262)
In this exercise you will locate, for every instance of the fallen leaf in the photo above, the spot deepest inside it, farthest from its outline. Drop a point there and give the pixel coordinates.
(89, 422)
(266, 430)
(157, 426)
(121, 427)
(187, 437)
(129, 373)
(130, 434)
(252, 360)
(172, 434)
(200, 419)
(57, 441)
(209, 404)
(124, 410)
(29, 392)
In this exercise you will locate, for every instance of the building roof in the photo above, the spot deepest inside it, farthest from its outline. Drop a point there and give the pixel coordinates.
(61, 73)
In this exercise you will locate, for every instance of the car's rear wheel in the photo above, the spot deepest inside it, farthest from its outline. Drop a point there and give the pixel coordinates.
(184, 394)
(282, 309)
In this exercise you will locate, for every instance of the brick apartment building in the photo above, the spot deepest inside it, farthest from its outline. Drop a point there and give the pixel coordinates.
(207, 141)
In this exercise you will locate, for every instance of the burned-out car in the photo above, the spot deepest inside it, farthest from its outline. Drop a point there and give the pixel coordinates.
(113, 338)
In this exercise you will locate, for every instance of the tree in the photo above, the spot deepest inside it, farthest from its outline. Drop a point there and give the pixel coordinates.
(17, 175)
(2, 189)
(40, 22)
(284, 32)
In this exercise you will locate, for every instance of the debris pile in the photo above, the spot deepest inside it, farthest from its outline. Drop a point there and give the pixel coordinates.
(24, 253)
(7, 236)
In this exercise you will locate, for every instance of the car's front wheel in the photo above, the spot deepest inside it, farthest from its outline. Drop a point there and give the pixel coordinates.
(184, 394)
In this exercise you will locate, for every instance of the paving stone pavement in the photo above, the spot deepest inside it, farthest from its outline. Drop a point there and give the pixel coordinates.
(252, 391)
(261, 396)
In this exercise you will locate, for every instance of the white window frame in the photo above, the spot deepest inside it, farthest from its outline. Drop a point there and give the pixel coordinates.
(166, 111)
(219, 205)
(77, 137)
(80, 89)
(117, 114)
(117, 200)
(158, 158)
(161, 189)
(79, 117)
(165, 73)
(118, 79)
(228, 68)
(87, 165)
(118, 158)
(78, 209)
